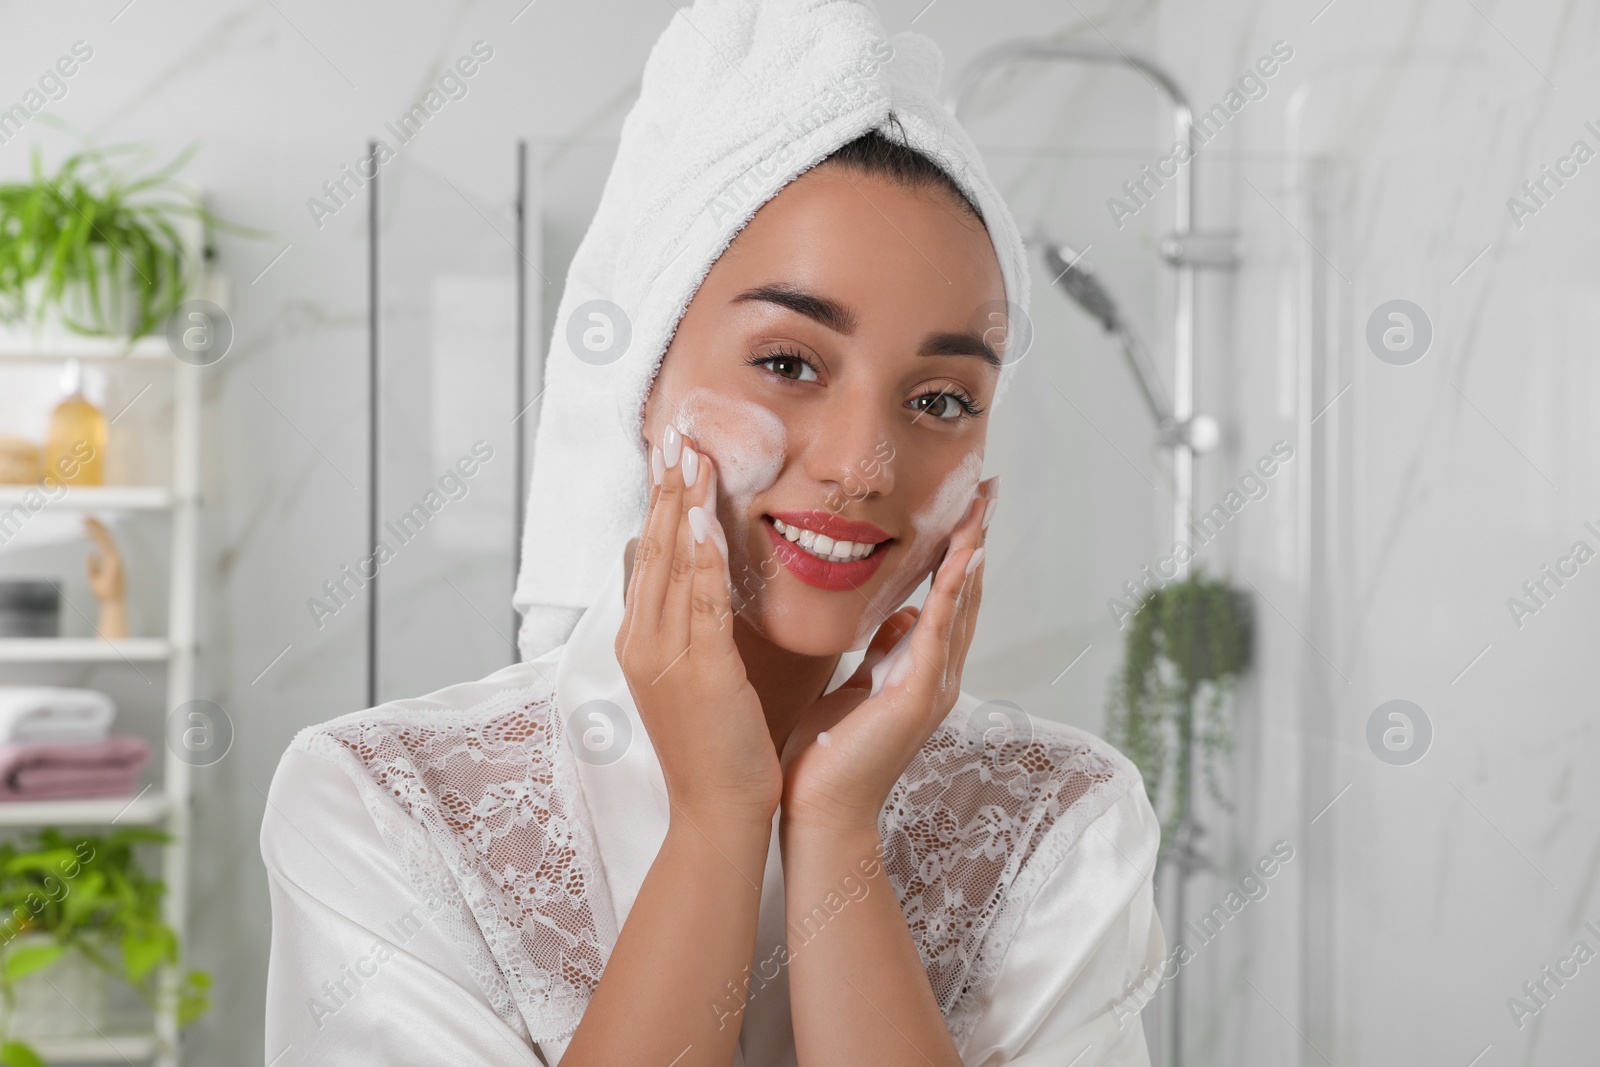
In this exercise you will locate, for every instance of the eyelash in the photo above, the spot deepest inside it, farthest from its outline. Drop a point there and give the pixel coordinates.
(969, 405)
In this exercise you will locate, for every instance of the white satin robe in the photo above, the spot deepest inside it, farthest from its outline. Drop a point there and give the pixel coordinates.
(351, 983)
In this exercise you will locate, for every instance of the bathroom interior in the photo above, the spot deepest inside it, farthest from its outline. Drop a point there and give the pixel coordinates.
(1335, 349)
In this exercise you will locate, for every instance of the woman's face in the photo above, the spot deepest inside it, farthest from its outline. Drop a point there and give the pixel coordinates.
(835, 364)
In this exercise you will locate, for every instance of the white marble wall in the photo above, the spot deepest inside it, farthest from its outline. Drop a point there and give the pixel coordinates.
(1427, 495)
(1383, 556)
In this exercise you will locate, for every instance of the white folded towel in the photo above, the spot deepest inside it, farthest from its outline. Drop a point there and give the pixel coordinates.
(51, 715)
(738, 98)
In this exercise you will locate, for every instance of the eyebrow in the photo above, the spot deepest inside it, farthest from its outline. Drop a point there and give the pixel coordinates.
(841, 319)
(832, 314)
(959, 344)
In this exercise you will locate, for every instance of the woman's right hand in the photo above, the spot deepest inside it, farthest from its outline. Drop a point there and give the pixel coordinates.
(677, 651)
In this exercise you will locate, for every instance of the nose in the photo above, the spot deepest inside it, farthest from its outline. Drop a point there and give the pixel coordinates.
(849, 452)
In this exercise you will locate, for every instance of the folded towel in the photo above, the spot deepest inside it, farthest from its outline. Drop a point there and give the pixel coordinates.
(737, 99)
(51, 715)
(69, 772)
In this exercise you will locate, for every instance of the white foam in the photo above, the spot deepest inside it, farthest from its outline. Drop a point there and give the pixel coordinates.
(749, 444)
(747, 440)
(933, 523)
(951, 499)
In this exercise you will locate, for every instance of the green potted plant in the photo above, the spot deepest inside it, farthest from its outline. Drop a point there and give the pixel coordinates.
(97, 248)
(85, 899)
(1189, 643)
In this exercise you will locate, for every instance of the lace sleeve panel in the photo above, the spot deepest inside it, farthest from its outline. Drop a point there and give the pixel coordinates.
(972, 830)
(478, 808)
(481, 808)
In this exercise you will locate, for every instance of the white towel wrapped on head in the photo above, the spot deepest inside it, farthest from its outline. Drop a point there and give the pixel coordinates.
(52, 715)
(738, 98)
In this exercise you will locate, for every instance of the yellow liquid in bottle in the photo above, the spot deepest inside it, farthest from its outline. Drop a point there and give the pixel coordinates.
(75, 451)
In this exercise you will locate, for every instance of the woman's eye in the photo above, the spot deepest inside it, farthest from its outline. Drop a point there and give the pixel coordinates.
(940, 405)
(792, 367)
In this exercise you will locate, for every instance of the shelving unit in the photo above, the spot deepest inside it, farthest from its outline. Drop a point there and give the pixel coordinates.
(97, 497)
(113, 1048)
(166, 804)
(57, 346)
(83, 650)
(144, 809)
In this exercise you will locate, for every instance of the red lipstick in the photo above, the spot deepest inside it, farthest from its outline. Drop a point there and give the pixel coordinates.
(821, 573)
(826, 522)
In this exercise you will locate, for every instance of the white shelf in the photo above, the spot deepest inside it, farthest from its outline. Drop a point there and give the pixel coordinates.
(95, 497)
(149, 807)
(83, 650)
(117, 1048)
(15, 345)
(167, 803)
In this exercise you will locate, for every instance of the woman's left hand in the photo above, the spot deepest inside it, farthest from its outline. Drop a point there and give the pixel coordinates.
(849, 749)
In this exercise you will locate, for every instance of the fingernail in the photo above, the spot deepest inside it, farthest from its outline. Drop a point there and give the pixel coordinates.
(988, 512)
(691, 465)
(717, 535)
(992, 490)
(671, 445)
(710, 499)
(658, 464)
(824, 739)
(977, 558)
(699, 523)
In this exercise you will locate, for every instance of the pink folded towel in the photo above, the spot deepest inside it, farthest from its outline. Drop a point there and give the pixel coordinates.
(68, 772)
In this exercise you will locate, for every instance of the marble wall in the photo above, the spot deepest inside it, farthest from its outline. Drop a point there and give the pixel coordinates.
(1375, 164)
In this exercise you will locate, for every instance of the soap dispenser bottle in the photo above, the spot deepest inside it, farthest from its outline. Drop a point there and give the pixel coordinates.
(75, 450)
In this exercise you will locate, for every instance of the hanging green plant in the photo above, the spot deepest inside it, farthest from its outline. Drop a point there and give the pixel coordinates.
(86, 894)
(1189, 643)
(99, 245)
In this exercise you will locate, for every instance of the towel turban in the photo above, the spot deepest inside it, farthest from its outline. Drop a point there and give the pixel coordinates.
(737, 99)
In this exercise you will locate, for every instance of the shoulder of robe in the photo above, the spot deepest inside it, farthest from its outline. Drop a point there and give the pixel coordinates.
(471, 794)
(990, 765)
(420, 737)
(993, 801)
(459, 755)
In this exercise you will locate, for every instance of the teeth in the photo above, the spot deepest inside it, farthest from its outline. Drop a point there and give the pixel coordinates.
(822, 546)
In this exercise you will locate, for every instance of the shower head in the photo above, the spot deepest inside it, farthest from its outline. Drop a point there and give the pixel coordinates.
(1073, 277)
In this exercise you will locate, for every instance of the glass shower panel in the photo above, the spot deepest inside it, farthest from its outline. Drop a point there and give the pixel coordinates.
(1089, 494)
(447, 351)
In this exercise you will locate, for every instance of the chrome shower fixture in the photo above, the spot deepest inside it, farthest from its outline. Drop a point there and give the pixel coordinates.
(1074, 277)
(1187, 250)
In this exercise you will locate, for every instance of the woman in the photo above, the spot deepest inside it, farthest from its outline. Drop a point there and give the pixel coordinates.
(710, 827)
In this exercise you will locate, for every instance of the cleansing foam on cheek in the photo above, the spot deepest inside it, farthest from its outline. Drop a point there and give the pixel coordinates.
(934, 522)
(950, 501)
(748, 443)
(746, 439)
